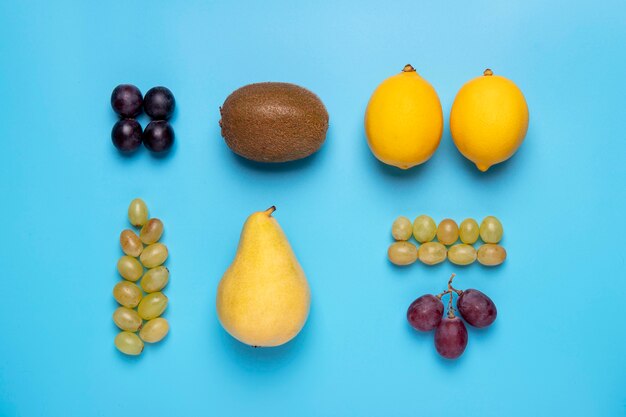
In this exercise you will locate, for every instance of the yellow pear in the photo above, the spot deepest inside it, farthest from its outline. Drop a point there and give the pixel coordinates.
(263, 298)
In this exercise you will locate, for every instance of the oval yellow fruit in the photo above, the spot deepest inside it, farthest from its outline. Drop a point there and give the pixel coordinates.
(489, 120)
(404, 120)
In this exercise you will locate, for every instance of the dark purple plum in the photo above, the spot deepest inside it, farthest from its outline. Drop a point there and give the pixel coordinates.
(476, 308)
(424, 314)
(159, 103)
(158, 136)
(451, 338)
(126, 100)
(126, 135)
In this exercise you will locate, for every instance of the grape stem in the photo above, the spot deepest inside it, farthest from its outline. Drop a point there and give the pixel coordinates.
(451, 288)
(450, 307)
(450, 291)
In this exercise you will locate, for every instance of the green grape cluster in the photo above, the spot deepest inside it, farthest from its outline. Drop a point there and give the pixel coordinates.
(448, 233)
(141, 305)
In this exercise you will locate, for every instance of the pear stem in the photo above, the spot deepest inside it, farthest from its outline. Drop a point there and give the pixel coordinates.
(270, 210)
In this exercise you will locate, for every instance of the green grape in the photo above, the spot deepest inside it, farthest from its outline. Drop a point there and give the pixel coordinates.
(491, 254)
(491, 230)
(130, 242)
(402, 229)
(424, 228)
(127, 294)
(137, 212)
(154, 330)
(128, 343)
(129, 268)
(462, 254)
(402, 253)
(153, 255)
(152, 305)
(155, 279)
(447, 232)
(432, 253)
(468, 231)
(127, 319)
(151, 231)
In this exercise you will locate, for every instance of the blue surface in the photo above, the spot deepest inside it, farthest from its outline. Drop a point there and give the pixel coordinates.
(558, 346)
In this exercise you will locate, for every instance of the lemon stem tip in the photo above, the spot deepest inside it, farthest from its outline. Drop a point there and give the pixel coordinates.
(488, 72)
(408, 68)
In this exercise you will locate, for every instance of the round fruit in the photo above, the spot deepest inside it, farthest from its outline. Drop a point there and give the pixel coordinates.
(489, 120)
(159, 103)
(404, 120)
(126, 100)
(402, 253)
(424, 228)
(491, 254)
(155, 279)
(137, 212)
(432, 253)
(127, 294)
(462, 254)
(152, 305)
(476, 308)
(425, 313)
(130, 243)
(151, 231)
(468, 231)
(154, 330)
(402, 229)
(153, 255)
(129, 268)
(127, 319)
(451, 338)
(447, 232)
(126, 135)
(128, 343)
(491, 230)
(273, 122)
(158, 136)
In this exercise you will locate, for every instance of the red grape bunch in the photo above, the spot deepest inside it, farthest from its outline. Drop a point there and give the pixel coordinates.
(426, 314)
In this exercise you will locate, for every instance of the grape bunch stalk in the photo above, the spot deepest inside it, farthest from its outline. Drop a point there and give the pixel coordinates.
(426, 314)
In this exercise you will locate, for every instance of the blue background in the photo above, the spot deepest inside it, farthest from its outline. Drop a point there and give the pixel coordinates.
(557, 347)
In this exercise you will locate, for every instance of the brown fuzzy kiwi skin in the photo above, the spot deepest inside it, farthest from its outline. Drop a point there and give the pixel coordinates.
(273, 122)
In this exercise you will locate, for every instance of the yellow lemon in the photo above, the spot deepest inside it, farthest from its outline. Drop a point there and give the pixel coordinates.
(404, 120)
(489, 120)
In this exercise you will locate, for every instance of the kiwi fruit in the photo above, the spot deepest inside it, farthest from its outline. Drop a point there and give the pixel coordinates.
(273, 122)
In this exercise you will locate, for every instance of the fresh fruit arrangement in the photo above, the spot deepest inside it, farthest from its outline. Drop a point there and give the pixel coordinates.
(426, 314)
(147, 301)
(158, 103)
(404, 120)
(424, 229)
(263, 299)
(489, 119)
(273, 122)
